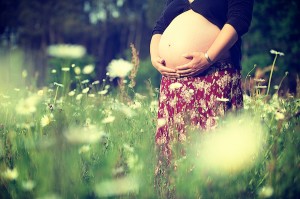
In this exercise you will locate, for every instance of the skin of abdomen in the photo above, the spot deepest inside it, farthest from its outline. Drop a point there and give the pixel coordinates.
(188, 32)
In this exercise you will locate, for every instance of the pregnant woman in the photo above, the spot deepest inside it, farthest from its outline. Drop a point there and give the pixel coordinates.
(196, 46)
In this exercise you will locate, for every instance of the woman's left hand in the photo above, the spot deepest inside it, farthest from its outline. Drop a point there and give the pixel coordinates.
(197, 65)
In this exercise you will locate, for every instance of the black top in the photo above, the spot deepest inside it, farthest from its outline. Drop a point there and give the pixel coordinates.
(237, 13)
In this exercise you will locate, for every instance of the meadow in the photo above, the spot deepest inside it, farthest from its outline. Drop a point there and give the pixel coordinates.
(84, 138)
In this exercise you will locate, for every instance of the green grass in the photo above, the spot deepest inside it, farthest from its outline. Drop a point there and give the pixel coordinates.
(114, 155)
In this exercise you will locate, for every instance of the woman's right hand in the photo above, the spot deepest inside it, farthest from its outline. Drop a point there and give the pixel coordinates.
(160, 65)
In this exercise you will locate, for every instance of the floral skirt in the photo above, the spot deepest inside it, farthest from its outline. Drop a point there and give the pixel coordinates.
(195, 102)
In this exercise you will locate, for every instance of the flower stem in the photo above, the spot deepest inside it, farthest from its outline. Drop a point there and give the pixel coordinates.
(281, 82)
(55, 94)
(272, 69)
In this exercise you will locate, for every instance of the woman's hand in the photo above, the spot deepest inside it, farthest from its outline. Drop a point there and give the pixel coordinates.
(160, 65)
(197, 65)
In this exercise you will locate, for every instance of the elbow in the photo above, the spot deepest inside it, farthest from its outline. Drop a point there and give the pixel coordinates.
(241, 26)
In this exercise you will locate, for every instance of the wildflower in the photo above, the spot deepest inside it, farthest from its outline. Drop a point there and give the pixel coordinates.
(117, 187)
(118, 170)
(77, 70)
(65, 69)
(233, 147)
(28, 185)
(85, 81)
(276, 87)
(85, 135)
(279, 116)
(139, 96)
(96, 82)
(46, 119)
(88, 69)
(27, 106)
(276, 52)
(40, 93)
(260, 87)
(57, 84)
(10, 174)
(53, 71)
(5, 96)
(91, 95)
(127, 111)
(132, 160)
(86, 90)
(51, 196)
(24, 74)
(161, 122)
(259, 80)
(73, 65)
(222, 99)
(66, 51)
(153, 106)
(84, 149)
(266, 192)
(175, 85)
(71, 93)
(108, 119)
(191, 91)
(128, 148)
(103, 92)
(79, 96)
(136, 105)
(107, 87)
(119, 68)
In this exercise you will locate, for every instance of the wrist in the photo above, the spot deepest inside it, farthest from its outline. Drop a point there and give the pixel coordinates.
(208, 58)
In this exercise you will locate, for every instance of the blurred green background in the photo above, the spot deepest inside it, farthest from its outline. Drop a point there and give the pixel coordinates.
(107, 27)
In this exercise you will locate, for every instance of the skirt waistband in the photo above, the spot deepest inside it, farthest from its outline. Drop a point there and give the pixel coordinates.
(217, 66)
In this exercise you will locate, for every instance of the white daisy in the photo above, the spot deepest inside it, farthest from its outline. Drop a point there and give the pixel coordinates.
(88, 69)
(119, 68)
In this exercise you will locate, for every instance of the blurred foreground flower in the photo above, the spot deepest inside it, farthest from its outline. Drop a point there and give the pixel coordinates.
(232, 147)
(84, 135)
(10, 174)
(50, 196)
(66, 51)
(265, 192)
(46, 119)
(108, 119)
(119, 68)
(28, 185)
(84, 149)
(117, 187)
(28, 105)
(88, 69)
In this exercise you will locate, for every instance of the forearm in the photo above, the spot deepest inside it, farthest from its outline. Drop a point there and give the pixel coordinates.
(224, 41)
(154, 45)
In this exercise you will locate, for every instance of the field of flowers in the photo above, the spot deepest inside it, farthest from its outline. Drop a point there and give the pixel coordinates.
(95, 139)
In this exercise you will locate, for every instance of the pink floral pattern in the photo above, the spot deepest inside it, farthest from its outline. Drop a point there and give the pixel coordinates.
(195, 102)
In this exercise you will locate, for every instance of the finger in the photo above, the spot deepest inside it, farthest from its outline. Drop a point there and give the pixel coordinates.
(170, 74)
(184, 66)
(182, 72)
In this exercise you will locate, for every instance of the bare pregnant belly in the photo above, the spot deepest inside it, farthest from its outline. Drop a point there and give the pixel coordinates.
(188, 32)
